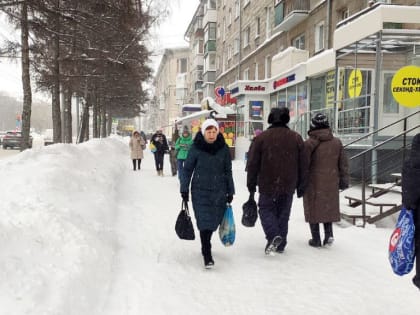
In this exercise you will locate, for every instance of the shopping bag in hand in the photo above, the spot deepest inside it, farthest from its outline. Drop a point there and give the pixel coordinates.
(401, 244)
(183, 226)
(250, 213)
(227, 227)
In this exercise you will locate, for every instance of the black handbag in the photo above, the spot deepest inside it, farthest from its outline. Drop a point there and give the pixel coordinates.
(250, 213)
(183, 226)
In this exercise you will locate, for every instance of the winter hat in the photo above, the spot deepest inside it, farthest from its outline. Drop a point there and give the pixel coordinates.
(185, 130)
(257, 132)
(279, 115)
(319, 121)
(209, 123)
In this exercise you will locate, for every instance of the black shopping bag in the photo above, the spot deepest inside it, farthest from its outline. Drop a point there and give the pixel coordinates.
(250, 213)
(183, 226)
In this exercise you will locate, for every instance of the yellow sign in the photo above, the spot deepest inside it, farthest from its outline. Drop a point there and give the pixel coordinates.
(355, 83)
(405, 86)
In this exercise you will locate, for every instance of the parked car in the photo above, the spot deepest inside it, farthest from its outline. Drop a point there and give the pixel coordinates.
(2, 133)
(13, 139)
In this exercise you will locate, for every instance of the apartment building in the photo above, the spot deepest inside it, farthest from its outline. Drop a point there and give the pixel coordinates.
(171, 87)
(305, 54)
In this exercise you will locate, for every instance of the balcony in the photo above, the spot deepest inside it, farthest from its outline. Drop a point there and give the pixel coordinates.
(209, 76)
(209, 46)
(290, 13)
(198, 26)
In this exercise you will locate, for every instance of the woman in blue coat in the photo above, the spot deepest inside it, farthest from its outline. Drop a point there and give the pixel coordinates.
(208, 168)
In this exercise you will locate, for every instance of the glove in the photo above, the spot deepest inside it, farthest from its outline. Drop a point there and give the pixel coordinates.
(229, 198)
(184, 196)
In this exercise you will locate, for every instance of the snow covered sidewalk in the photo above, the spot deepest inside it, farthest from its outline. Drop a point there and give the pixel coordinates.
(81, 233)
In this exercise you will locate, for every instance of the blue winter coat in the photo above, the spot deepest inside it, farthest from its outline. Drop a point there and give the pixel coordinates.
(208, 168)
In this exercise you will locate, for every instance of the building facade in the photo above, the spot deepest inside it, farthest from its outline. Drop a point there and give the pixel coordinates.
(171, 87)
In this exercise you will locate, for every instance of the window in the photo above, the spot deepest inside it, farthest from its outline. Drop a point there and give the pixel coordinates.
(246, 2)
(267, 22)
(210, 32)
(229, 52)
(224, 29)
(267, 67)
(344, 14)
(237, 9)
(198, 47)
(299, 42)
(319, 37)
(256, 71)
(236, 46)
(182, 65)
(247, 34)
(257, 26)
(246, 74)
(278, 14)
(230, 17)
(390, 105)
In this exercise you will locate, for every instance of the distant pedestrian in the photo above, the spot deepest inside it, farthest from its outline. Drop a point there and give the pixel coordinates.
(277, 165)
(161, 145)
(137, 145)
(328, 173)
(410, 182)
(173, 152)
(208, 168)
(182, 146)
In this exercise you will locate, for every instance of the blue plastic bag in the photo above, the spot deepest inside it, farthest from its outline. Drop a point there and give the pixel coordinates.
(401, 244)
(227, 227)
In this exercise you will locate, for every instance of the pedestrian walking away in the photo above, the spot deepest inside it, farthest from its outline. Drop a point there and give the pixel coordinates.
(173, 152)
(208, 169)
(327, 175)
(276, 165)
(182, 146)
(410, 183)
(161, 144)
(137, 145)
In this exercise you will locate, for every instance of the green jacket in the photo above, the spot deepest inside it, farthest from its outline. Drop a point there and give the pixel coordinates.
(183, 145)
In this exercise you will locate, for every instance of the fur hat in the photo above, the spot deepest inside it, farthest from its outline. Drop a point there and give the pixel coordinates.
(279, 115)
(209, 123)
(319, 121)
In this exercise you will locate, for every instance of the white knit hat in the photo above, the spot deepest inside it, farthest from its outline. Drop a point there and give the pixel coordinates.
(208, 123)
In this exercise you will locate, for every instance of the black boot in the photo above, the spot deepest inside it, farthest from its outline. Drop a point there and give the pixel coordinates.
(205, 237)
(134, 165)
(329, 237)
(315, 241)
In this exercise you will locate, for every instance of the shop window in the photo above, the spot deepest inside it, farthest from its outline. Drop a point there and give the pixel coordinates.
(317, 99)
(390, 105)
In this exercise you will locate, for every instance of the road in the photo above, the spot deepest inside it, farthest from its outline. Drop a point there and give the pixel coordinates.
(8, 152)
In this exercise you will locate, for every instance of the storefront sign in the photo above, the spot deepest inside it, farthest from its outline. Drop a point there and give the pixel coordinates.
(283, 81)
(355, 83)
(254, 88)
(329, 88)
(405, 86)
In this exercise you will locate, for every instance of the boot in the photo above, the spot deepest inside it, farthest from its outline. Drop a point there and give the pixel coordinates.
(205, 237)
(315, 241)
(328, 231)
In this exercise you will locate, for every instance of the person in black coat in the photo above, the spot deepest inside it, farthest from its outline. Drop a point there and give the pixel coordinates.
(208, 168)
(161, 144)
(411, 196)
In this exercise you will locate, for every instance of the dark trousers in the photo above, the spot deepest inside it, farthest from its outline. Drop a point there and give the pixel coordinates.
(274, 215)
(138, 163)
(180, 167)
(205, 237)
(159, 160)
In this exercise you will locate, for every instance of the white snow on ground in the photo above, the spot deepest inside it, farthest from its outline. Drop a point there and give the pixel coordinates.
(82, 234)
